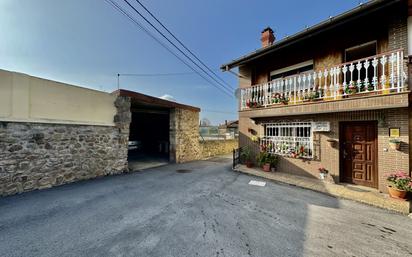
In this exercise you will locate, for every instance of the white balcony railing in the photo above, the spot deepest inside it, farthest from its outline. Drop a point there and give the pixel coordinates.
(377, 74)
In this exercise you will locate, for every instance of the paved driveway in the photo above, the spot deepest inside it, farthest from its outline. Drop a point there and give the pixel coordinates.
(203, 210)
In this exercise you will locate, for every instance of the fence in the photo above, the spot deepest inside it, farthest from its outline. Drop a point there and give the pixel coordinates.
(215, 133)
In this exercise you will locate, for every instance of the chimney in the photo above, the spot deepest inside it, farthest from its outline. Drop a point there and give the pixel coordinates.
(267, 37)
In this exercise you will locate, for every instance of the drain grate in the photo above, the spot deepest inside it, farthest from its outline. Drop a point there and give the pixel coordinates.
(183, 171)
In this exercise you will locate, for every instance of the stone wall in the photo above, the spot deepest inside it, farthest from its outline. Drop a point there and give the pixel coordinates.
(184, 135)
(42, 155)
(217, 147)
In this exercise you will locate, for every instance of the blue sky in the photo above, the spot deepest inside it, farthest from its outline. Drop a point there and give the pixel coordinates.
(87, 42)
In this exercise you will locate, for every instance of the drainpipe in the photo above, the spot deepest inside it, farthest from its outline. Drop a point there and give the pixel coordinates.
(409, 71)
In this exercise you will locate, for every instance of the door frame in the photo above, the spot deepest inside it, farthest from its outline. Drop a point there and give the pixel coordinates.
(342, 125)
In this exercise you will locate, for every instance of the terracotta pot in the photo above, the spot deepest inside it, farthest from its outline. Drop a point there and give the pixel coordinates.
(249, 164)
(396, 193)
(395, 146)
(266, 167)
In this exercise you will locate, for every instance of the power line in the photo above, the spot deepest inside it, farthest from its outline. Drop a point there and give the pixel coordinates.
(214, 111)
(175, 46)
(118, 8)
(181, 43)
(156, 74)
(123, 12)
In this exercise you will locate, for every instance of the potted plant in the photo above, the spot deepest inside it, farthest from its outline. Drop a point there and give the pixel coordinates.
(314, 96)
(351, 89)
(395, 144)
(400, 184)
(322, 172)
(263, 160)
(276, 98)
(246, 156)
(284, 100)
(371, 87)
(273, 161)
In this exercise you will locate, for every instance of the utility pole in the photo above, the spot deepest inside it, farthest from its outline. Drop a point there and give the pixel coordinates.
(118, 81)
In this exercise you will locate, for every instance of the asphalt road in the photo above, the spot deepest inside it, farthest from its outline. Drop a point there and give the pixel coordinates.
(204, 210)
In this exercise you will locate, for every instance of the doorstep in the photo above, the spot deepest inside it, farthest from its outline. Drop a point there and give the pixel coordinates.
(351, 192)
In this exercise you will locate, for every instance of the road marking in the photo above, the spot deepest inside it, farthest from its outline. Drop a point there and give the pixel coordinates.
(257, 183)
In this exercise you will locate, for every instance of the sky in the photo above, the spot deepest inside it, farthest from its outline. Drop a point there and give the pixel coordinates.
(87, 42)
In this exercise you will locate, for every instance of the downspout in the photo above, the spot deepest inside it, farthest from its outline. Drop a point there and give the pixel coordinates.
(409, 70)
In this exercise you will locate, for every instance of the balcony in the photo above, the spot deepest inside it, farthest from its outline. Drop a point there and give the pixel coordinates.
(337, 88)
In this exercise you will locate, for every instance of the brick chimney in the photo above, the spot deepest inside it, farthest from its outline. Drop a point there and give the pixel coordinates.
(267, 37)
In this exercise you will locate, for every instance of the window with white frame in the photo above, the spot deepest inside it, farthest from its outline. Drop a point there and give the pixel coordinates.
(294, 139)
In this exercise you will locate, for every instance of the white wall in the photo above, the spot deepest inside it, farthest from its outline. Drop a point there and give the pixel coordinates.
(31, 99)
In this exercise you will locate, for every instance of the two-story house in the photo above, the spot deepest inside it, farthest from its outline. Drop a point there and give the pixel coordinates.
(334, 95)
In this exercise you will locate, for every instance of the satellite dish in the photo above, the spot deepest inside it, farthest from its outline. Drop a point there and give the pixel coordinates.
(237, 93)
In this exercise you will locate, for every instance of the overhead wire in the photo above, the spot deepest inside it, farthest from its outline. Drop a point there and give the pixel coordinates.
(181, 43)
(126, 14)
(175, 46)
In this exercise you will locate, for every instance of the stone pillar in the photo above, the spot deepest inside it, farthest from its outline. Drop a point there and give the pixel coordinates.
(122, 119)
(184, 135)
(172, 135)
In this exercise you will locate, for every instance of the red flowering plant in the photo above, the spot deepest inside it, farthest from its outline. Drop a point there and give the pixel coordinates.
(322, 169)
(401, 181)
(263, 147)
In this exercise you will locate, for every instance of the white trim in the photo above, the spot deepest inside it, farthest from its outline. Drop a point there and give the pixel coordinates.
(292, 67)
(286, 137)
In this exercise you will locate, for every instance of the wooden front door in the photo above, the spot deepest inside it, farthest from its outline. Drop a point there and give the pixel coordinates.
(358, 153)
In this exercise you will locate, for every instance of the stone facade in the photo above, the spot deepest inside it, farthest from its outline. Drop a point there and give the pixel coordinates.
(217, 147)
(184, 135)
(42, 155)
(184, 138)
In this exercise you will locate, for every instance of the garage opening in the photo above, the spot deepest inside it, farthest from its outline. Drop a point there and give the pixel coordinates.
(149, 137)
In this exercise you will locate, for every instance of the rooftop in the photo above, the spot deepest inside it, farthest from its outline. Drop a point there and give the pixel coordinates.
(154, 101)
(359, 11)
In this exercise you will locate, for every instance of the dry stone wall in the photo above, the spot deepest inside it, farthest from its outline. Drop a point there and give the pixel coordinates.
(217, 147)
(184, 135)
(41, 155)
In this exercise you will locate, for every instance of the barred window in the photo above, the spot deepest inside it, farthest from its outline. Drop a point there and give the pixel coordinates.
(293, 139)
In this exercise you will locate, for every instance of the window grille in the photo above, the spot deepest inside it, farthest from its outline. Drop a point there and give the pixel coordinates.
(294, 139)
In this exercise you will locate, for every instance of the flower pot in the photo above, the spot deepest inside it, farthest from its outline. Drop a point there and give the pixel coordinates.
(395, 146)
(396, 193)
(249, 164)
(266, 167)
(322, 175)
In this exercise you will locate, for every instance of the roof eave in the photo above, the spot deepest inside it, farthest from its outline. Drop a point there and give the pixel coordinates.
(325, 25)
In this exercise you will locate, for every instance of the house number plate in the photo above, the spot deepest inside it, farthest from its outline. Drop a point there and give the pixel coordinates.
(321, 126)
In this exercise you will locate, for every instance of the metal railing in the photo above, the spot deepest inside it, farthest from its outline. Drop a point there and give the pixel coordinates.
(236, 157)
(383, 73)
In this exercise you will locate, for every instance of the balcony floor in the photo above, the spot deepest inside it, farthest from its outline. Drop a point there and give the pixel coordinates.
(360, 103)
